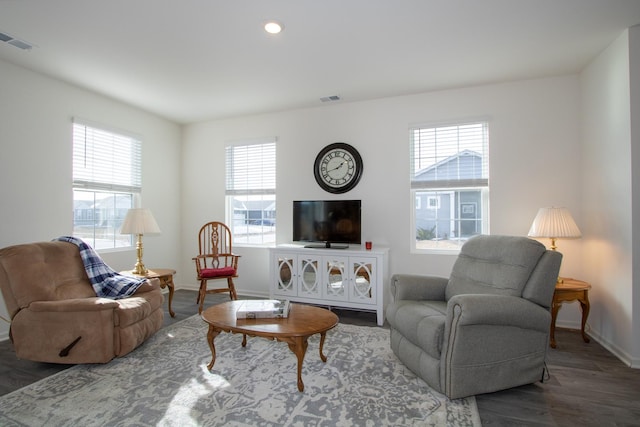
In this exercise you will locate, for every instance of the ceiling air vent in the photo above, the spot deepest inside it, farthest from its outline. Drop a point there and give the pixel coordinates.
(330, 98)
(21, 44)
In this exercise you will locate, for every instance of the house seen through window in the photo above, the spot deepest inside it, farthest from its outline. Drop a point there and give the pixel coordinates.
(107, 181)
(251, 191)
(449, 184)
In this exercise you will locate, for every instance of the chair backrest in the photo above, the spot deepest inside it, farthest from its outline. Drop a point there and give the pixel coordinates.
(214, 238)
(43, 271)
(505, 265)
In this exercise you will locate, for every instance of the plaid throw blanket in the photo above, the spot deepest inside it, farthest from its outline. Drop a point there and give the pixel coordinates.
(106, 282)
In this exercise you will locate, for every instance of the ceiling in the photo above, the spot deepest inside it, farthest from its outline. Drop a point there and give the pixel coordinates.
(195, 60)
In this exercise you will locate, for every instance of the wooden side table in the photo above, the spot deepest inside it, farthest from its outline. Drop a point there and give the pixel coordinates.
(166, 280)
(570, 290)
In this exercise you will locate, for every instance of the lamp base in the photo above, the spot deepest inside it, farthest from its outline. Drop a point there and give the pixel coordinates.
(139, 268)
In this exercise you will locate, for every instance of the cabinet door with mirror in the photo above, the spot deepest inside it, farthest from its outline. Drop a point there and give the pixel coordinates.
(286, 275)
(309, 277)
(297, 275)
(362, 281)
(336, 277)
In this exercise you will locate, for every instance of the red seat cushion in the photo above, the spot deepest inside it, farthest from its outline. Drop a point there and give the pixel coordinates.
(217, 272)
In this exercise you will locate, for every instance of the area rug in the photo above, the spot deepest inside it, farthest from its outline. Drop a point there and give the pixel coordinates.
(165, 382)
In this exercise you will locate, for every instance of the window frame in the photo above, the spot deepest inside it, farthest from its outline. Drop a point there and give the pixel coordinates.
(453, 187)
(91, 169)
(256, 189)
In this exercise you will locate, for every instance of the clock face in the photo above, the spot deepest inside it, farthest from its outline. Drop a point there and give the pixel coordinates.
(338, 167)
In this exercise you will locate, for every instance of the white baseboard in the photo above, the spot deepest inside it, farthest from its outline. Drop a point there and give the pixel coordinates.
(615, 350)
(188, 287)
(612, 348)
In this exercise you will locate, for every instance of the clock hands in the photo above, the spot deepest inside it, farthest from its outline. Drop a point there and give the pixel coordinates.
(337, 167)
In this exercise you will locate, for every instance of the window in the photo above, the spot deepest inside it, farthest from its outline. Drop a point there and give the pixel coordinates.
(251, 191)
(433, 202)
(449, 184)
(107, 181)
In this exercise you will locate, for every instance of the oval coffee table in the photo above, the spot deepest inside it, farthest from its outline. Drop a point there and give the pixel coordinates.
(303, 321)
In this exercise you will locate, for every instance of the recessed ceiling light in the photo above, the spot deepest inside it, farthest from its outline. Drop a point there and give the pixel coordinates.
(273, 27)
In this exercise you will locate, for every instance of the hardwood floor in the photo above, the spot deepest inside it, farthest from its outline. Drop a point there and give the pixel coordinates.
(588, 386)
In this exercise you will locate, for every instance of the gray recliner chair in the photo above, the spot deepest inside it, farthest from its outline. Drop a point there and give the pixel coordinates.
(484, 329)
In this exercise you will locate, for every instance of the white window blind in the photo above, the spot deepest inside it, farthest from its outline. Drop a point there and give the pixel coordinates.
(251, 168)
(450, 156)
(103, 160)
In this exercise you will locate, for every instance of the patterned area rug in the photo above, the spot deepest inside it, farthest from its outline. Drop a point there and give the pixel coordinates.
(165, 382)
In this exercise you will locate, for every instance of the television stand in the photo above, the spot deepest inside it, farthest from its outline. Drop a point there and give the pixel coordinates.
(347, 278)
(327, 245)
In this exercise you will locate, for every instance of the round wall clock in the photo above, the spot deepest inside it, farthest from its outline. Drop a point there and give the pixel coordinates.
(338, 167)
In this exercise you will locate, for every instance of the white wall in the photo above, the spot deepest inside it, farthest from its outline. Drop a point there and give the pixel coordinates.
(534, 148)
(634, 82)
(608, 207)
(35, 164)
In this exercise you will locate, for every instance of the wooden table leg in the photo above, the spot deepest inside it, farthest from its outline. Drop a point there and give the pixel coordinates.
(298, 346)
(211, 335)
(322, 337)
(168, 280)
(584, 305)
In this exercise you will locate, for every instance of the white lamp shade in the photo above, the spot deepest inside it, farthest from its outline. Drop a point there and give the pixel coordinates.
(139, 221)
(556, 223)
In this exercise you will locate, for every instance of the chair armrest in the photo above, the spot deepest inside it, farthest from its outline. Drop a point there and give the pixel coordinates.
(417, 287)
(76, 304)
(502, 310)
(230, 260)
(148, 286)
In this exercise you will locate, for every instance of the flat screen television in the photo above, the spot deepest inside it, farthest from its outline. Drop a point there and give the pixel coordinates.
(327, 223)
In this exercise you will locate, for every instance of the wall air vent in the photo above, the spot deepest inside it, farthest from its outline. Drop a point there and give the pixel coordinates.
(330, 98)
(20, 44)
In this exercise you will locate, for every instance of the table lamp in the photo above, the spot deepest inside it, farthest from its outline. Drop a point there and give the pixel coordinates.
(139, 221)
(554, 223)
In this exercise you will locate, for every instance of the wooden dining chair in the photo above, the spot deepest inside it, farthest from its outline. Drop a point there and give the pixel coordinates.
(216, 260)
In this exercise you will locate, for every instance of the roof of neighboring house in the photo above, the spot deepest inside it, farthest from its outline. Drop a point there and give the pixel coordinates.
(254, 205)
(121, 201)
(466, 162)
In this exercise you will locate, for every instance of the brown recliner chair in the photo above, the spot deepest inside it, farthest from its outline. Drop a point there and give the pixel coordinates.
(55, 314)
